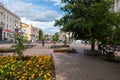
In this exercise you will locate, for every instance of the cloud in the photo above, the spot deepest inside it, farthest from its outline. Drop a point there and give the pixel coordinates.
(33, 12)
(46, 16)
(47, 27)
(41, 16)
(57, 2)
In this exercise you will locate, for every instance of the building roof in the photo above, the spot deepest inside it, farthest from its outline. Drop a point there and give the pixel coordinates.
(2, 5)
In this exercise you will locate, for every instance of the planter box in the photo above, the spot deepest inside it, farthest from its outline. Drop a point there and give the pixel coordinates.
(59, 46)
(5, 50)
(65, 45)
(64, 50)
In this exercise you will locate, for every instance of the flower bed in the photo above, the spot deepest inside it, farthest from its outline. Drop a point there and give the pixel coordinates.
(27, 68)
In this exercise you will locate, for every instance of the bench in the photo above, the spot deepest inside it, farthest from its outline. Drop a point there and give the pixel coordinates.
(111, 51)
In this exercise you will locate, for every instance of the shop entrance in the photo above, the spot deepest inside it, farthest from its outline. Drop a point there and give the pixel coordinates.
(0, 34)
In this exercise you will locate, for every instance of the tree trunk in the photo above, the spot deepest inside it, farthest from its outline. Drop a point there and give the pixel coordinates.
(93, 46)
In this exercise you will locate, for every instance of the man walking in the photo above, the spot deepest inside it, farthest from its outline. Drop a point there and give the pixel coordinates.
(43, 43)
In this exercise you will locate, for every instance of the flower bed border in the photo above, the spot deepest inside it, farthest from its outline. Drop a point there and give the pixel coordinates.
(65, 51)
(6, 51)
(59, 46)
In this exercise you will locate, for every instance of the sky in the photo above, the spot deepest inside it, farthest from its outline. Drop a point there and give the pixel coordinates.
(39, 13)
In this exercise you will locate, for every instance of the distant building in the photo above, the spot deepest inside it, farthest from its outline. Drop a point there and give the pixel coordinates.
(34, 33)
(48, 37)
(65, 36)
(29, 32)
(8, 22)
(25, 30)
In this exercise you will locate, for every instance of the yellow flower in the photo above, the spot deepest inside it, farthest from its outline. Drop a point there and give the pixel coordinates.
(48, 79)
(40, 74)
(33, 75)
(23, 77)
(48, 74)
(18, 72)
(20, 78)
(45, 76)
(6, 78)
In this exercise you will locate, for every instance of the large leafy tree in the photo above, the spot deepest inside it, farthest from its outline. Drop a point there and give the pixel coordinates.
(89, 19)
(40, 34)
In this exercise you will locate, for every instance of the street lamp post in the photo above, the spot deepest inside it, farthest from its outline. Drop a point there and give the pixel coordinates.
(16, 32)
(16, 29)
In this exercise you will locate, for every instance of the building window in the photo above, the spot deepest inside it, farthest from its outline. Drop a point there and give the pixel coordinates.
(7, 26)
(7, 18)
(4, 17)
(10, 20)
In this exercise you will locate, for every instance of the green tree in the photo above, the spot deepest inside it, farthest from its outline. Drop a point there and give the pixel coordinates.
(40, 34)
(46, 37)
(55, 37)
(89, 19)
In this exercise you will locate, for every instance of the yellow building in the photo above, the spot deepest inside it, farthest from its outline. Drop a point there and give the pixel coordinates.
(25, 30)
(29, 32)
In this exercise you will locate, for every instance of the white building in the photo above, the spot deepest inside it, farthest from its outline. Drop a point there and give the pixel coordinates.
(8, 22)
(65, 36)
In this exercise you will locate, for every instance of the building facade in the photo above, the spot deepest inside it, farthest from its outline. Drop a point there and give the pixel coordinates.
(29, 32)
(34, 33)
(8, 22)
(25, 30)
(65, 36)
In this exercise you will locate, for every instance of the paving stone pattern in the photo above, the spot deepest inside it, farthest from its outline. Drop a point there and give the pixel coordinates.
(82, 67)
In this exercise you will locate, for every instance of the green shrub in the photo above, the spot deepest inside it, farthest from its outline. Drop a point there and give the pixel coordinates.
(19, 47)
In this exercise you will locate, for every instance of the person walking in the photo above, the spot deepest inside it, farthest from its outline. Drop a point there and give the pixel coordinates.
(85, 42)
(101, 49)
(43, 42)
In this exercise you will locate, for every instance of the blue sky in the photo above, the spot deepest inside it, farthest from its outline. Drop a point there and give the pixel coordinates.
(39, 13)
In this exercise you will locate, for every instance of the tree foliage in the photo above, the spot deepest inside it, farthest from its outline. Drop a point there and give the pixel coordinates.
(46, 37)
(19, 47)
(55, 37)
(90, 19)
(40, 34)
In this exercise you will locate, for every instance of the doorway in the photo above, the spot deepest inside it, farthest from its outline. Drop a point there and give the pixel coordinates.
(0, 34)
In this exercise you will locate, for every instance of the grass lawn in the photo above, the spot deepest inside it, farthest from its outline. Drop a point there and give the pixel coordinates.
(26, 68)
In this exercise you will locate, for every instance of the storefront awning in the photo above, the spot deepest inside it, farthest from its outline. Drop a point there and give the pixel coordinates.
(7, 30)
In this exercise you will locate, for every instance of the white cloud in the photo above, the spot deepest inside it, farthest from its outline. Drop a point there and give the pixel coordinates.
(33, 12)
(57, 2)
(46, 16)
(36, 15)
(47, 27)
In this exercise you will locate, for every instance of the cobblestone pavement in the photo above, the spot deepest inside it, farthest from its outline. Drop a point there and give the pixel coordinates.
(82, 67)
(39, 50)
